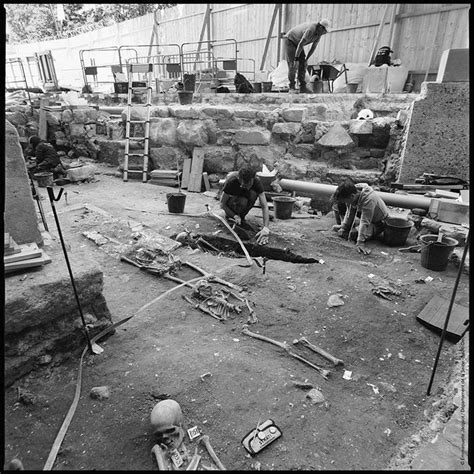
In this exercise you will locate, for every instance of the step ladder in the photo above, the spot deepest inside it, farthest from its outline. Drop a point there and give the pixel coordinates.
(132, 160)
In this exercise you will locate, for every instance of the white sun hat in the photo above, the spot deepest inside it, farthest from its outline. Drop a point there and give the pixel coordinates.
(325, 23)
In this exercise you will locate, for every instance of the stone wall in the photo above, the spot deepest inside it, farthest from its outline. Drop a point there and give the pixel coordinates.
(438, 134)
(276, 130)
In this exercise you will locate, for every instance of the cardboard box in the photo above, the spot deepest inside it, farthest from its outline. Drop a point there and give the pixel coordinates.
(449, 210)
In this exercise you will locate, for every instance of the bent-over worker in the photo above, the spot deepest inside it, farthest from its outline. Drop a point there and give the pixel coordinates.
(241, 189)
(295, 40)
(360, 198)
(47, 158)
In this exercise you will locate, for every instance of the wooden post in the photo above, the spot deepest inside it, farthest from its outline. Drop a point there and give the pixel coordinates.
(269, 36)
(203, 29)
(379, 31)
(279, 34)
(392, 24)
(43, 122)
(393, 40)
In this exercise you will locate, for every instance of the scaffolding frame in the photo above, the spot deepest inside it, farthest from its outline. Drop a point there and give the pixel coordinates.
(19, 78)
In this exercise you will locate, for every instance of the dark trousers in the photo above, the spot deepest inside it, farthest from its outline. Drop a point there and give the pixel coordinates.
(241, 205)
(290, 57)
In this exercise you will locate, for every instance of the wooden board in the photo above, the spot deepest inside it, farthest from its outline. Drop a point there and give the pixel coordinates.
(434, 316)
(465, 195)
(205, 178)
(43, 122)
(186, 173)
(28, 251)
(30, 263)
(171, 174)
(195, 177)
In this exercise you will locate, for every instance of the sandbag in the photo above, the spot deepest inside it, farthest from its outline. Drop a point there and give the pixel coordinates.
(81, 173)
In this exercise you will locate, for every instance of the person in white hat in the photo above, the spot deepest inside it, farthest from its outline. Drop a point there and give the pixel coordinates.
(295, 40)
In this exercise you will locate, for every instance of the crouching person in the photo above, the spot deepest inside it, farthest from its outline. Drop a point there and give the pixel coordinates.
(362, 200)
(240, 192)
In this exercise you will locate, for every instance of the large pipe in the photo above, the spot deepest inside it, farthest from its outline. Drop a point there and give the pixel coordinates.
(405, 201)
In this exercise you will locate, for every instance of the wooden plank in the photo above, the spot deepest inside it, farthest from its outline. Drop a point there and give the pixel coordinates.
(195, 177)
(186, 173)
(207, 185)
(164, 173)
(28, 251)
(465, 195)
(43, 122)
(434, 316)
(41, 260)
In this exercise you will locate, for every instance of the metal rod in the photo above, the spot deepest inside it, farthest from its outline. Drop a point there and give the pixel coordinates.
(461, 266)
(52, 199)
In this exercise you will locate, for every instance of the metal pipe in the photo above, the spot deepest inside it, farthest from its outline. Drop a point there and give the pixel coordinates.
(406, 201)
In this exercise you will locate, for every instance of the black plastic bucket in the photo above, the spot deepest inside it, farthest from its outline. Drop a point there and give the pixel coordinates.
(185, 97)
(283, 206)
(435, 255)
(176, 202)
(396, 230)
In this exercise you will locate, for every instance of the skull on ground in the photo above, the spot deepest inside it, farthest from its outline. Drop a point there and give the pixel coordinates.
(166, 419)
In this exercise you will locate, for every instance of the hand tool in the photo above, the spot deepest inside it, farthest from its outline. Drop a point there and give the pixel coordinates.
(94, 348)
(319, 351)
(205, 440)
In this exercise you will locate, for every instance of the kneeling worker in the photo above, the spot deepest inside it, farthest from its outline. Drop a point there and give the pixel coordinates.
(360, 198)
(239, 194)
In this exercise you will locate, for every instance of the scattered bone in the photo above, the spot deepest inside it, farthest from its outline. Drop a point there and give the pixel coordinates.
(283, 345)
(192, 466)
(100, 393)
(160, 457)
(205, 440)
(315, 396)
(319, 351)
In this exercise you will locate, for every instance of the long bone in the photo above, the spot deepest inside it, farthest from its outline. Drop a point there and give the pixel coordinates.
(205, 440)
(283, 345)
(319, 351)
(159, 453)
(192, 466)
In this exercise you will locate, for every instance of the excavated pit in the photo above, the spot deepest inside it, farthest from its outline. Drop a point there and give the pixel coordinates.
(232, 248)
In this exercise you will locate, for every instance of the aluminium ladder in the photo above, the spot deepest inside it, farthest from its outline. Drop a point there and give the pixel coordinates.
(130, 132)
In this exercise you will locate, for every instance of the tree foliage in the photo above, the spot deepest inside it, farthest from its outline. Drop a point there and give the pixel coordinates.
(38, 21)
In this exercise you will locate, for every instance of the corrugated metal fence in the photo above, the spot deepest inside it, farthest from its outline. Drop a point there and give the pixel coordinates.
(417, 33)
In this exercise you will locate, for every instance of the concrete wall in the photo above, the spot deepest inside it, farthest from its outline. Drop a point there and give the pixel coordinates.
(438, 134)
(20, 218)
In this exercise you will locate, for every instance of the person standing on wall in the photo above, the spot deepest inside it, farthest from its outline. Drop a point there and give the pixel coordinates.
(295, 40)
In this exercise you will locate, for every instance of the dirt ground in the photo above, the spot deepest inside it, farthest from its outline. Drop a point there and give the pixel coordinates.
(167, 349)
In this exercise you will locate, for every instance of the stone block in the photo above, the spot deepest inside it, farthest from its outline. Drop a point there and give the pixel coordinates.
(137, 112)
(457, 232)
(115, 129)
(293, 115)
(76, 129)
(217, 112)
(218, 159)
(303, 151)
(110, 151)
(317, 171)
(224, 137)
(167, 157)
(286, 130)
(291, 168)
(317, 112)
(360, 127)
(160, 111)
(438, 137)
(252, 137)
(66, 116)
(191, 133)
(229, 123)
(163, 131)
(358, 176)
(361, 152)
(320, 129)
(266, 155)
(84, 115)
(454, 66)
(245, 113)
(184, 112)
(305, 133)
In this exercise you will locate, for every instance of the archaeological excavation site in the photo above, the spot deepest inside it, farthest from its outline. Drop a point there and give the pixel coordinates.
(236, 237)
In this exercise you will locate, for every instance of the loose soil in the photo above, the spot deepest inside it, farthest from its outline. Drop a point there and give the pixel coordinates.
(166, 350)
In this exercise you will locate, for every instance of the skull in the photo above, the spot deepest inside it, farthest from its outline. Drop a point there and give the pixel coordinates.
(166, 419)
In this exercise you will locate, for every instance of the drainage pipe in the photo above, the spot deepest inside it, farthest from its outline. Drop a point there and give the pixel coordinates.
(405, 201)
